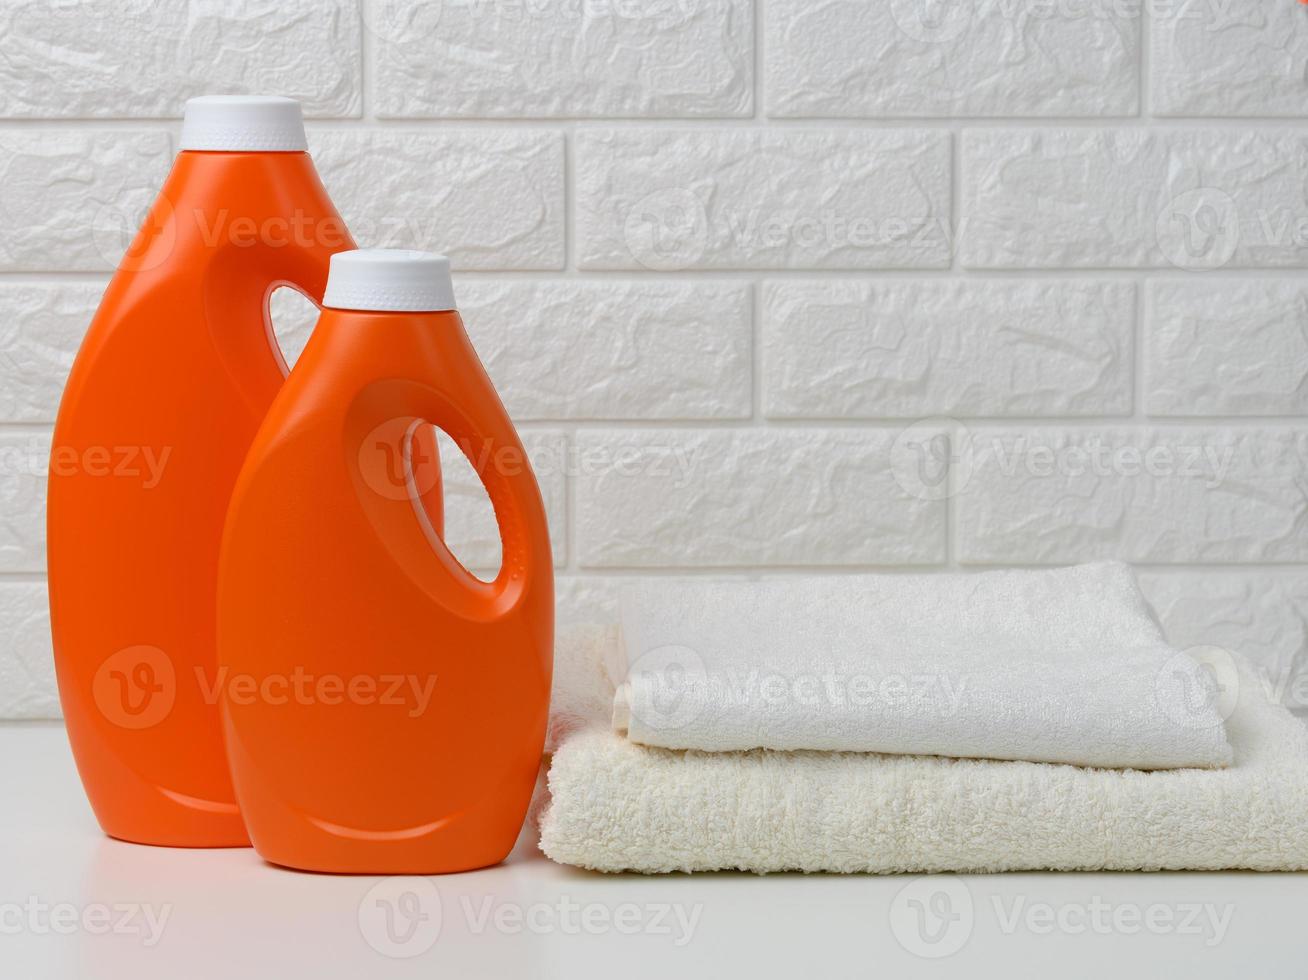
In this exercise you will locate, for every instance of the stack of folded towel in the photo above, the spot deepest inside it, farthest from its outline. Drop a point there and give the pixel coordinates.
(983, 722)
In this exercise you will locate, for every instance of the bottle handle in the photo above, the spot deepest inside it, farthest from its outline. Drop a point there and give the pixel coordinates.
(270, 333)
(500, 461)
(493, 449)
(244, 280)
(304, 270)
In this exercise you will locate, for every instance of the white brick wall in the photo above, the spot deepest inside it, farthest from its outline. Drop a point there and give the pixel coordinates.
(67, 194)
(886, 348)
(771, 286)
(1118, 198)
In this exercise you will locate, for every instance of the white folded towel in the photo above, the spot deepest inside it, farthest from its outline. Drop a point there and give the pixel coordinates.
(1063, 665)
(617, 806)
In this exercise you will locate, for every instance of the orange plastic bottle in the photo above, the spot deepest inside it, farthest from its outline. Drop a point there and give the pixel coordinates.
(172, 380)
(385, 710)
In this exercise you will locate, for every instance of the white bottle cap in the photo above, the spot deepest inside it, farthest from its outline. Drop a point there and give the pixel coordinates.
(252, 123)
(399, 280)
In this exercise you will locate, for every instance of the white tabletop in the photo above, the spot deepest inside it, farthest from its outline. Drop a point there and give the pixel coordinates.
(76, 904)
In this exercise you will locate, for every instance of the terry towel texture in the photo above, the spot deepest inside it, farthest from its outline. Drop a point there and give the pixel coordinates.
(617, 806)
(1063, 665)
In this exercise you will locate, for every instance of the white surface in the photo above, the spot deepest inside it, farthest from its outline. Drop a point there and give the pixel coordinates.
(254, 123)
(389, 279)
(233, 916)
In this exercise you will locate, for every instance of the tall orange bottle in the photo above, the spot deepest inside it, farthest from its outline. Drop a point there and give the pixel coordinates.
(172, 380)
(384, 709)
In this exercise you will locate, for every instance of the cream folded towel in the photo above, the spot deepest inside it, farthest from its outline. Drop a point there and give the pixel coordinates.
(1063, 665)
(617, 806)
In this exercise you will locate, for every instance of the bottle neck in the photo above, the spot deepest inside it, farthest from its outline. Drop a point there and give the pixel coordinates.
(252, 201)
(351, 349)
(392, 319)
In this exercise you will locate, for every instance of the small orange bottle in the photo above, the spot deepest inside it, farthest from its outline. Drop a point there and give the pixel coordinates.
(384, 709)
(172, 380)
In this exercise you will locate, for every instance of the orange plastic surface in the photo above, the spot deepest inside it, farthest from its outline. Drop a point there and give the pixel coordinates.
(172, 380)
(411, 740)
